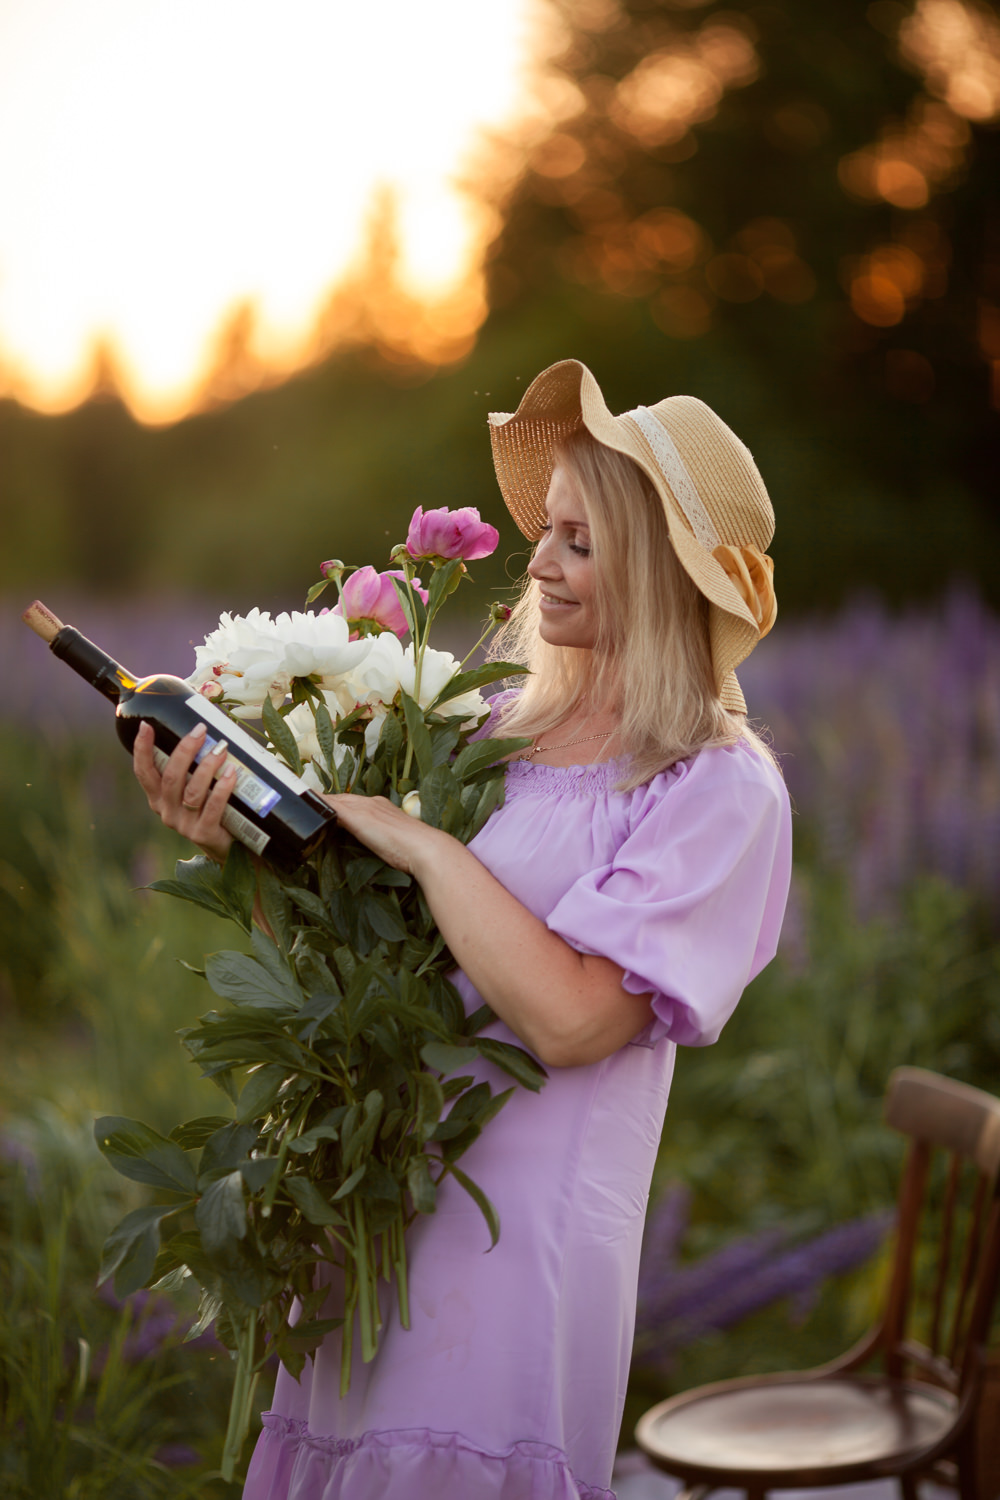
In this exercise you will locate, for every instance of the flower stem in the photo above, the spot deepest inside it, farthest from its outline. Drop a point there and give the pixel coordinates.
(241, 1405)
(347, 1332)
(402, 1286)
(488, 631)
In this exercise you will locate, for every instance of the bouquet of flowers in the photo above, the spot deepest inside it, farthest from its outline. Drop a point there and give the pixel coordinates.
(344, 1051)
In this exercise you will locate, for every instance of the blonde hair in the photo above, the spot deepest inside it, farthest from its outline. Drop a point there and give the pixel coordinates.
(652, 660)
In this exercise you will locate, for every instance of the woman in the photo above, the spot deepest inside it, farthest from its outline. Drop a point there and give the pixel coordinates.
(617, 904)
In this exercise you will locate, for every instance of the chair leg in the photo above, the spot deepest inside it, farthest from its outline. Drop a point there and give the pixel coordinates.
(908, 1487)
(967, 1463)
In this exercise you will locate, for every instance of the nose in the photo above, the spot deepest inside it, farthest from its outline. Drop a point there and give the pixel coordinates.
(543, 563)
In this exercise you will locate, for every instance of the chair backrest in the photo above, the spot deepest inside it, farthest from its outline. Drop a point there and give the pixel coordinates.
(947, 1261)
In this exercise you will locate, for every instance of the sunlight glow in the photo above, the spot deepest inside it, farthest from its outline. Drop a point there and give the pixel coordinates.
(166, 163)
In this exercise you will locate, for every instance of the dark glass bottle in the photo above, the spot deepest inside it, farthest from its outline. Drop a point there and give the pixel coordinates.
(271, 810)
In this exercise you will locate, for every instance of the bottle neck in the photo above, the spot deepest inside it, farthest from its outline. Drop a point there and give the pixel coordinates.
(93, 664)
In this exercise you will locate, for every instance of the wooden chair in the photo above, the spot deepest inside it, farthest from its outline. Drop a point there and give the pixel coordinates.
(916, 1415)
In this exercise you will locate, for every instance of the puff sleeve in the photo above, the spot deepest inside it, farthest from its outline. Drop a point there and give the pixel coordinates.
(691, 903)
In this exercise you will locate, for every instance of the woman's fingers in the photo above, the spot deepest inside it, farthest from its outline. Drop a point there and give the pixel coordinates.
(173, 782)
(384, 828)
(207, 831)
(186, 800)
(199, 783)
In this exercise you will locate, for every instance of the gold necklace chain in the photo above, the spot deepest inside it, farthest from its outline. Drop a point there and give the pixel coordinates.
(539, 749)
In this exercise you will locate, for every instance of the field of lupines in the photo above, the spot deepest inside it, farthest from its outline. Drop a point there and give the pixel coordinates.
(768, 1229)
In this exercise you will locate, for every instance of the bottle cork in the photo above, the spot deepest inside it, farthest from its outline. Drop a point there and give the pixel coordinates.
(42, 621)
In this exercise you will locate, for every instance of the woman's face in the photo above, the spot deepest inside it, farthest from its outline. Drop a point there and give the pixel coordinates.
(563, 568)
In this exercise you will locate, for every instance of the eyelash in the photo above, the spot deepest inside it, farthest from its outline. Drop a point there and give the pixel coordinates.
(573, 547)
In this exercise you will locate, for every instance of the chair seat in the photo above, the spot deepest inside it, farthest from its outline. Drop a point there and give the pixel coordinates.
(792, 1430)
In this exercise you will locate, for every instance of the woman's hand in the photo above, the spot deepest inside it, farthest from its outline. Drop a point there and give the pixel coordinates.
(185, 799)
(402, 841)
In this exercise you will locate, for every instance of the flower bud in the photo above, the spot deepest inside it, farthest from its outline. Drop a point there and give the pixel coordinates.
(500, 613)
(411, 804)
(332, 568)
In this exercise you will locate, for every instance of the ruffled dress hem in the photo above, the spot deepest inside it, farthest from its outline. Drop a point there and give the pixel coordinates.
(291, 1463)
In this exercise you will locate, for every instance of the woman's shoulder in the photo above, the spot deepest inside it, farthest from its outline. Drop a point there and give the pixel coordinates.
(723, 773)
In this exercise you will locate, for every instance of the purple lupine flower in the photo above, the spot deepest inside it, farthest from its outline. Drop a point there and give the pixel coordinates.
(723, 1289)
(177, 1455)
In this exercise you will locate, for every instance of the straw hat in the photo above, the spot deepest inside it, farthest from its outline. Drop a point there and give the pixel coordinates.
(718, 513)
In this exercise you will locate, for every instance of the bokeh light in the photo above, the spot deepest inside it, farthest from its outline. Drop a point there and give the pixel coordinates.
(175, 170)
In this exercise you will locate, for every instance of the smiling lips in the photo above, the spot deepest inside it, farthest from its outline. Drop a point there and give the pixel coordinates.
(552, 600)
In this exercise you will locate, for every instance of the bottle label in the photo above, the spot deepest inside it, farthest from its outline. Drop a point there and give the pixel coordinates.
(239, 739)
(232, 819)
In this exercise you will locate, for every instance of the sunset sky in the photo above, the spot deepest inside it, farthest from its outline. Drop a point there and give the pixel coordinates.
(163, 162)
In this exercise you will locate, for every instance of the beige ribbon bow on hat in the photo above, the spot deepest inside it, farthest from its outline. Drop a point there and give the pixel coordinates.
(751, 573)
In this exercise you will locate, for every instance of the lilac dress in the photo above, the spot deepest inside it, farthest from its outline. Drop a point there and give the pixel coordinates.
(511, 1381)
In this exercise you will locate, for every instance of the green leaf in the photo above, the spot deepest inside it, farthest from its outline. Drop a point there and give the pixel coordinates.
(240, 978)
(309, 1335)
(316, 1010)
(430, 1103)
(490, 799)
(317, 980)
(351, 1182)
(244, 1274)
(325, 734)
(275, 906)
(478, 1197)
(258, 1172)
(423, 1189)
(444, 581)
(316, 590)
(419, 735)
(226, 1148)
(360, 871)
(445, 1058)
(260, 1091)
(196, 1132)
(141, 1153)
(464, 682)
(314, 906)
(444, 738)
(281, 736)
(479, 1018)
(385, 916)
(221, 1212)
(439, 793)
(374, 781)
(131, 1248)
(390, 739)
(310, 1201)
(209, 1307)
(482, 753)
(239, 882)
(514, 1061)
(198, 880)
(380, 1183)
(269, 956)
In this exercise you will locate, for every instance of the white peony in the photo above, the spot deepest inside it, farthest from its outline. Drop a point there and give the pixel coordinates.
(253, 657)
(390, 666)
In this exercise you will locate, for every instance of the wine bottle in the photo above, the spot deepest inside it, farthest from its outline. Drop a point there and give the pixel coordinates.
(271, 810)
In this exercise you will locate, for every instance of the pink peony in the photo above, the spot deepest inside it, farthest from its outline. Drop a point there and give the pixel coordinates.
(450, 533)
(369, 598)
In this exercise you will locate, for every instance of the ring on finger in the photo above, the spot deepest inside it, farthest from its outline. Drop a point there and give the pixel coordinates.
(194, 806)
